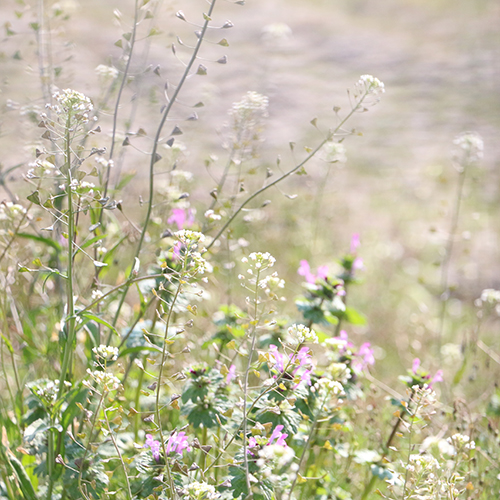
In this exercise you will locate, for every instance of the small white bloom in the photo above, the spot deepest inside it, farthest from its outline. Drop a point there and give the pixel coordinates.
(301, 334)
(106, 353)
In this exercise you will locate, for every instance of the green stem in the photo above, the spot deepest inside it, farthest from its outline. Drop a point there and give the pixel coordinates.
(444, 284)
(245, 387)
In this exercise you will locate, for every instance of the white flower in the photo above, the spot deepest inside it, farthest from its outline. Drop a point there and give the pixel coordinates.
(202, 491)
(106, 72)
(301, 334)
(333, 152)
(211, 215)
(106, 353)
(470, 145)
(371, 85)
(187, 236)
(74, 102)
(105, 379)
(490, 296)
(276, 32)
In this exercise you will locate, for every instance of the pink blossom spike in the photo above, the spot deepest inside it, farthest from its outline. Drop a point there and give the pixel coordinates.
(355, 243)
(416, 365)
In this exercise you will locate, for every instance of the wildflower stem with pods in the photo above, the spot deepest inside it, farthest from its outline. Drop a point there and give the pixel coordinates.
(369, 88)
(156, 141)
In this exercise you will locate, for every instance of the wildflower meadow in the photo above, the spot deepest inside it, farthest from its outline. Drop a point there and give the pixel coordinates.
(194, 307)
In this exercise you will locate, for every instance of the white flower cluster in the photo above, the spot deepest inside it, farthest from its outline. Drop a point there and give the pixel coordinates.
(340, 372)
(105, 352)
(470, 147)
(212, 216)
(11, 211)
(490, 296)
(106, 72)
(202, 491)
(259, 260)
(325, 387)
(281, 455)
(189, 238)
(276, 32)
(333, 152)
(103, 379)
(251, 107)
(301, 334)
(47, 390)
(371, 85)
(461, 442)
(74, 103)
(248, 117)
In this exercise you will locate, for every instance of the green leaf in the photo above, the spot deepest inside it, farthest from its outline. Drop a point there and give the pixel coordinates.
(97, 319)
(93, 240)
(34, 197)
(7, 343)
(354, 317)
(381, 472)
(23, 479)
(41, 239)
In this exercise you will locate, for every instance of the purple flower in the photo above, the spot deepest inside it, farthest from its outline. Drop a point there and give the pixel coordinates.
(363, 358)
(279, 359)
(278, 435)
(154, 445)
(231, 374)
(415, 366)
(177, 443)
(181, 218)
(305, 270)
(355, 243)
(437, 378)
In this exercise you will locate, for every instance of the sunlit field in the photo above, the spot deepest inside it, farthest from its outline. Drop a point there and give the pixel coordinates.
(249, 250)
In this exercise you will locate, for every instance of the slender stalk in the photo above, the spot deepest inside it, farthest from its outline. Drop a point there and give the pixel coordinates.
(118, 99)
(245, 386)
(444, 283)
(306, 446)
(113, 440)
(94, 420)
(70, 317)
(156, 143)
(160, 374)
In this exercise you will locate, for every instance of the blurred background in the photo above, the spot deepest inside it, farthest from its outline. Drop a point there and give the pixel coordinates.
(440, 63)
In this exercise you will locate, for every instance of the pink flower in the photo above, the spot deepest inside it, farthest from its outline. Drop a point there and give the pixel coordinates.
(180, 218)
(437, 378)
(415, 366)
(277, 434)
(305, 270)
(177, 443)
(279, 359)
(154, 445)
(231, 374)
(355, 243)
(363, 358)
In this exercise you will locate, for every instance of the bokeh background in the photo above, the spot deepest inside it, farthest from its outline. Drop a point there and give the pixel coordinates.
(440, 62)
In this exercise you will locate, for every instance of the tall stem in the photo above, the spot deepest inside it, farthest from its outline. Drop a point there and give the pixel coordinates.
(245, 387)
(70, 317)
(444, 284)
(156, 143)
